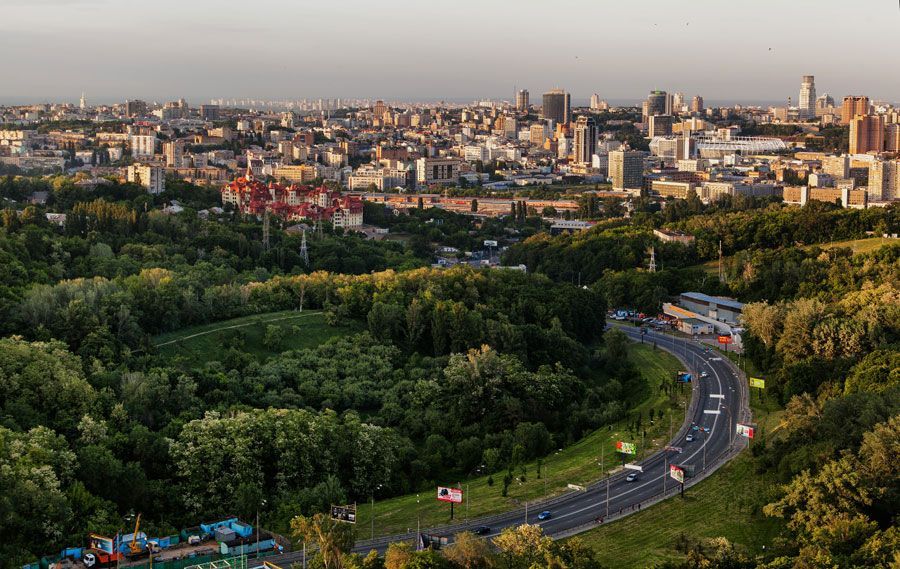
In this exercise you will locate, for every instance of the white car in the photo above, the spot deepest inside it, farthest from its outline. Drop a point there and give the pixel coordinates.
(689, 438)
(631, 477)
(704, 374)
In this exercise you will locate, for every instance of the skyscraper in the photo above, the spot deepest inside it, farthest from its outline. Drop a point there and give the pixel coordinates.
(626, 169)
(866, 134)
(852, 106)
(522, 100)
(585, 140)
(656, 104)
(808, 97)
(556, 106)
(660, 125)
(677, 103)
(697, 104)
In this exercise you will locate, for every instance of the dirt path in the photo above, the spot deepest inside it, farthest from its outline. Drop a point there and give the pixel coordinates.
(233, 326)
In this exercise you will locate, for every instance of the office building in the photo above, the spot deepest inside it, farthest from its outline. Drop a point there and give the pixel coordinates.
(150, 177)
(522, 102)
(866, 134)
(556, 106)
(852, 106)
(656, 103)
(585, 140)
(807, 105)
(660, 125)
(884, 177)
(598, 104)
(626, 169)
(677, 103)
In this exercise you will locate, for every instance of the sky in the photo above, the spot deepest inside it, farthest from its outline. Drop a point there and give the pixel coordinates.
(454, 50)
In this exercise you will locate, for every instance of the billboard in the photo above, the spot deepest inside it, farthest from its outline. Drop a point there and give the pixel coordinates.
(724, 339)
(101, 543)
(344, 513)
(490, 243)
(454, 495)
(683, 377)
(626, 448)
(676, 473)
(745, 430)
(758, 382)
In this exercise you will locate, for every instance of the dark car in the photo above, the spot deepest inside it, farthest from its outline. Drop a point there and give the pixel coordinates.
(545, 515)
(481, 530)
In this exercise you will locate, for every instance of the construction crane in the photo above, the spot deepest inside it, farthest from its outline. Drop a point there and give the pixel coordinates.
(133, 546)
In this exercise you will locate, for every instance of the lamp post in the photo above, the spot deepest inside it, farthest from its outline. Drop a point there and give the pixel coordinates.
(262, 504)
(377, 488)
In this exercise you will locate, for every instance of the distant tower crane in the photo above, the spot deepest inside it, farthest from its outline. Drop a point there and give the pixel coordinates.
(652, 267)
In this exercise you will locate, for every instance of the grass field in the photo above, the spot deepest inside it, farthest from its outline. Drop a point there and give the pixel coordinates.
(199, 344)
(856, 245)
(727, 504)
(576, 464)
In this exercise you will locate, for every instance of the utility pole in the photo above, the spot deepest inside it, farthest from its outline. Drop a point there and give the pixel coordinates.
(373, 516)
(721, 270)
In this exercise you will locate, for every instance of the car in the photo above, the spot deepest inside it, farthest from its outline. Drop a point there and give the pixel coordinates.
(690, 438)
(482, 530)
(545, 515)
(704, 374)
(631, 477)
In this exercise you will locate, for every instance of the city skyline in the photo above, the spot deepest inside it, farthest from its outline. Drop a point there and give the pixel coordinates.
(402, 51)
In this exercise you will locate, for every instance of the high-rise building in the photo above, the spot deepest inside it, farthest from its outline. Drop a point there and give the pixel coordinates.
(82, 104)
(892, 137)
(174, 151)
(660, 125)
(136, 108)
(677, 103)
(522, 100)
(379, 109)
(852, 106)
(808, 97)
(657, 103)
(866, 134)
(824, 101)
(585, 140)
(837, 167)
(884, 180)
(596, 102)
(697, 105)
(151, 177)
(556, 106)
(626, 169)
(209, 112)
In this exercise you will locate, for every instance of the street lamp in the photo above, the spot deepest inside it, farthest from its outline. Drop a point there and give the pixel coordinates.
(262, 503)
(377, 488)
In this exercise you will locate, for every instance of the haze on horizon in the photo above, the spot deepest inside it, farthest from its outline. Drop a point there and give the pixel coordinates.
(406, 50)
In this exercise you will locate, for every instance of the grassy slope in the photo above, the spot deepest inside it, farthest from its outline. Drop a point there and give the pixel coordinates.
(857, 245)
(728, 504)
(201, 343)
(577, 464)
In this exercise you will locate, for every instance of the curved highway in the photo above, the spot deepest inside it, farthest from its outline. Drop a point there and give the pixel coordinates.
(719, 401)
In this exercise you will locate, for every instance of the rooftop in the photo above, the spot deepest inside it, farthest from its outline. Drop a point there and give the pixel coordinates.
(721, 301)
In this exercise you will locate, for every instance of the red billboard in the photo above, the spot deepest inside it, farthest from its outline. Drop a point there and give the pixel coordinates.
(676, 473)
(724, 339)
(454, 495)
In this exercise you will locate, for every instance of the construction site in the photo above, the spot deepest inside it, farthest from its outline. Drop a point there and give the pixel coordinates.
(208, 545)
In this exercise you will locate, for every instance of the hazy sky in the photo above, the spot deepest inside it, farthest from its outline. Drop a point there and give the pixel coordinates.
(755, 50)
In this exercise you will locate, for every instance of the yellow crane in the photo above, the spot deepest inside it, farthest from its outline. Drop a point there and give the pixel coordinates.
(134, 546)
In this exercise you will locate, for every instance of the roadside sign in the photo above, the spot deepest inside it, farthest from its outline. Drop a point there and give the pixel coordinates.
(724, 339)
(717, 395)
(576, 487)
(673, 449)
(712, 411)
(445, 494)
(490, 243)
(344, 513)
(676, 473)
(626, 448)
(637, 467)
(758, 382)
(746, 431)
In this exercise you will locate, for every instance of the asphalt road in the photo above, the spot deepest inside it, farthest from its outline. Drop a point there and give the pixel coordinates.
(718, 402)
